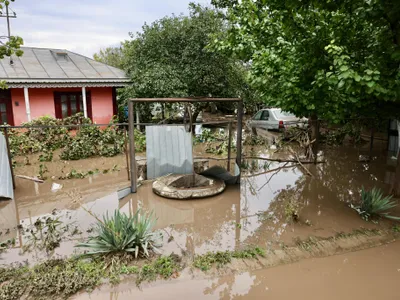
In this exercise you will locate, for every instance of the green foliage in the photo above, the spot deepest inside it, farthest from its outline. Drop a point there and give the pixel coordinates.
(12, 46)
(373, 204)
(51, 279)
(169, 59)
(122, 234)
(328, 59)
(112, 56)
(93, 141)
(164, 266)
(219, 259)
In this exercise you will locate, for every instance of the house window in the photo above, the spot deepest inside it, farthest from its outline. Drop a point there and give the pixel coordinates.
(69, 103)
(3, 114)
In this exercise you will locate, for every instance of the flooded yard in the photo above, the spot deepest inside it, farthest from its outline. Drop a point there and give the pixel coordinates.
(258, 212)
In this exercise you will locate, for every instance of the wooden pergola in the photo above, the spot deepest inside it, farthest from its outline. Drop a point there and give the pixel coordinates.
(131, 113)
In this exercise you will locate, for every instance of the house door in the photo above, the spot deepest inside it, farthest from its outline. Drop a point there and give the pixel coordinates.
(6, 115)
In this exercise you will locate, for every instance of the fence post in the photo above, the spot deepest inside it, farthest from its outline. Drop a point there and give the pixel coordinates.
(239, 133)
(229, 146)
(9, 156)
(132, 147)
(126, 153)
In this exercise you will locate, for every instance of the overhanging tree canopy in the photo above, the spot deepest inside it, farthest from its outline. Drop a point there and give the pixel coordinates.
(327, 59)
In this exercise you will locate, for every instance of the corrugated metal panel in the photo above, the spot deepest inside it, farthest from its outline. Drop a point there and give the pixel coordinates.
(6, 187)
(169, 150)
(48, 63)
(32, 65)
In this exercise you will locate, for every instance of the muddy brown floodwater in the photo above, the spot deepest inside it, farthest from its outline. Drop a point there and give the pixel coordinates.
(368, 274)
(254, 213)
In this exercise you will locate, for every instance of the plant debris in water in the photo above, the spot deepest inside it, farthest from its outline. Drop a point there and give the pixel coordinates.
(220, 258)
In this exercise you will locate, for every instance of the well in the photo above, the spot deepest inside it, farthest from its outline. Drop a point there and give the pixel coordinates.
(189, 186)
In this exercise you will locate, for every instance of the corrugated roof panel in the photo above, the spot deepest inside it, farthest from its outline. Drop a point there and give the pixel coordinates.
(16, 70)
(48, 62)
(102, 69)
(3, 73)
(32, 65)
(120, 73)
(69, 68)
(6, 186)
(85, 67)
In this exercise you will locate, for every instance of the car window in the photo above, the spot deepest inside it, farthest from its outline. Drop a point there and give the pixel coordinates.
(282, 114)
(257, 115)
(265, 115)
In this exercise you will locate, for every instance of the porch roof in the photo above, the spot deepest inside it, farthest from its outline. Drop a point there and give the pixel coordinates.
(45, 67)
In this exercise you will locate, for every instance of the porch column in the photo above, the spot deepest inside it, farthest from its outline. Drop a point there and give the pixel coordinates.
(27, 105)
(84, 102)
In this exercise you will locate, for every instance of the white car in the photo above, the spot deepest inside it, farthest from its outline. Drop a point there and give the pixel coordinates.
(275, 119)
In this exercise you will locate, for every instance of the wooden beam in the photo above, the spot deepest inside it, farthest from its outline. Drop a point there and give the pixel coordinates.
(132, 154)
(200, 99)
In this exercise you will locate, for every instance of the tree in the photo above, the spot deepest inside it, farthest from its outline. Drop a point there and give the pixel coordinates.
(13, 44)
(169, 59)
(326, 60)
(112, 56)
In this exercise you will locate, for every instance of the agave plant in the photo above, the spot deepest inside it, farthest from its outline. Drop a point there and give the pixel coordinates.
(373, 203)
(123, 234)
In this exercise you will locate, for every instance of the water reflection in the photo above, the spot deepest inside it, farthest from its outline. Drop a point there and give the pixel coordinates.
(253, 213)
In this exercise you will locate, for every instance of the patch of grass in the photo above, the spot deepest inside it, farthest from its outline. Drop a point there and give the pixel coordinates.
(220, 258)
(164, 267)
(123, 234)
(51, 279)
(374, 204)
(396, 228)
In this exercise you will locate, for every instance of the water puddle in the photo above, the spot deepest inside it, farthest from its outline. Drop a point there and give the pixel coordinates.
(331, 278)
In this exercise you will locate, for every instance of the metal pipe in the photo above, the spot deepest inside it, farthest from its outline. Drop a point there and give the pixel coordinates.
(132, 147)
(229, 146)
(239, 134)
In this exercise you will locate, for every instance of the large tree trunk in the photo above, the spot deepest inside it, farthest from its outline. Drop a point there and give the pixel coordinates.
(314, 137)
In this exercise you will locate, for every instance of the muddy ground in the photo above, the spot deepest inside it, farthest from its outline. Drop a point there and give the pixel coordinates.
(254, 213)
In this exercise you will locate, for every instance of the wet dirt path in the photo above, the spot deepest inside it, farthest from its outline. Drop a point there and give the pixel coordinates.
(368, 274)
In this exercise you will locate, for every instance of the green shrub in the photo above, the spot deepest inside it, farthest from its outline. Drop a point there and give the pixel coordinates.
(123, 234)
(373, 203)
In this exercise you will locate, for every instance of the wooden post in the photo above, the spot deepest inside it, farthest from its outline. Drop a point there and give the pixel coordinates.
(229, 145)
(126, 153)
(371, 143)
(9, 156)
(239, 133)
(132, 147)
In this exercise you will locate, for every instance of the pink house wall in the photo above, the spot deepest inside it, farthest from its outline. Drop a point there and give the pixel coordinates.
(41, 102)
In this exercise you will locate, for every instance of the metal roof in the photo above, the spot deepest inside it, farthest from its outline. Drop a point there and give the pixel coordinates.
(45, 65)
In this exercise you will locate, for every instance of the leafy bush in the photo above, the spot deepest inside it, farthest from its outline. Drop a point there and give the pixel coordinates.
(92, 141)
(123, 234)
(373, 203)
